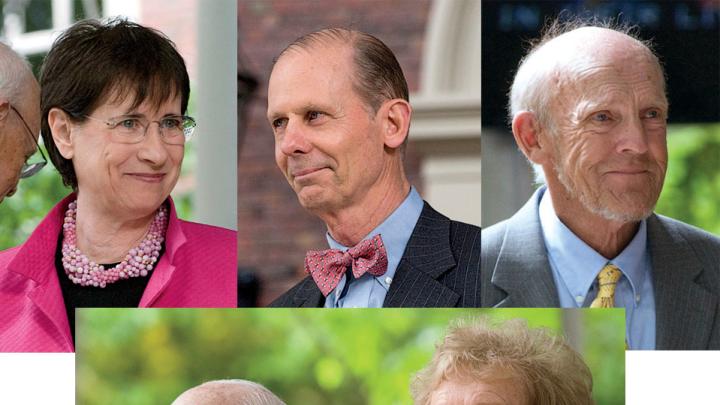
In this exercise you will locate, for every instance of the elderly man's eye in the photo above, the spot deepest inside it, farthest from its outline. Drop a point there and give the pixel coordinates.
(601, 117)
(652, 114)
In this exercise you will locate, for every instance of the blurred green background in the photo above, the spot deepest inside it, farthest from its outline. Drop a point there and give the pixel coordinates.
(305, 356)
(692, 184)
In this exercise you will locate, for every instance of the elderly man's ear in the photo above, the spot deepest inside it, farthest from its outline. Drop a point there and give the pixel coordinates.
(395, 115)
(60, 127)
(4, 109)
(529, 137)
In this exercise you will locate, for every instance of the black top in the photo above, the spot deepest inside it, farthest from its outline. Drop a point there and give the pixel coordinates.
(122, 293)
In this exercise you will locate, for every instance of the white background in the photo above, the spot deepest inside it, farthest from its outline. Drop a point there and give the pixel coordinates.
(42, 378)
(655, 378)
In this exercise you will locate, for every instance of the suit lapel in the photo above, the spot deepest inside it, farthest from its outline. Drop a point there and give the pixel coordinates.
(685, 311)
(428, 255)
(308, 295)
(36, 262)
(48, 298)
(522, 269)
(162, 274)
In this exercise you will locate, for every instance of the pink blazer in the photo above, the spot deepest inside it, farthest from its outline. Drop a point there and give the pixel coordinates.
(198, 269)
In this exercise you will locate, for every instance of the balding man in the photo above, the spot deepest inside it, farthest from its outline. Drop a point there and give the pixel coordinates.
(338, 106)
(19, 120)
(589, 110)
(228, 392)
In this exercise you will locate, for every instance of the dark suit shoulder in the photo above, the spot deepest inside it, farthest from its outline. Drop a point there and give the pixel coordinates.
(298, 294)
(465, 243)
(464, 239)
(440, 266)
(431, 216)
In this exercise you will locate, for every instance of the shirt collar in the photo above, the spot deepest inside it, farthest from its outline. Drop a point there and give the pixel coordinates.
(395, 231)
(577, 263)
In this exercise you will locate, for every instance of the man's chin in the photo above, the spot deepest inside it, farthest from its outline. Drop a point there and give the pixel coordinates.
(623, 212)
(625, 216)
(625, 205)
(312, 198)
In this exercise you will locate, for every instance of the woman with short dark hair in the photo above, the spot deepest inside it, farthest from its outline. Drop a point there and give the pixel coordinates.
(114, 97)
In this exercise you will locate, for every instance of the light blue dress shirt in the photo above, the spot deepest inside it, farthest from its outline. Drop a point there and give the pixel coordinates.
(369, 291)
(575, 267)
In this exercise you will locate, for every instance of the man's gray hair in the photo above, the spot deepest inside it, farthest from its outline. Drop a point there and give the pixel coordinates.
(532, 91)
(230, 392)
(14, 73)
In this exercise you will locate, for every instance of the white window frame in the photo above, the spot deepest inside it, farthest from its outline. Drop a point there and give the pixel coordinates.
(36, 42)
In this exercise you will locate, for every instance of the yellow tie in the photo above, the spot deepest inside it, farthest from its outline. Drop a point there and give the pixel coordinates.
(607, 279)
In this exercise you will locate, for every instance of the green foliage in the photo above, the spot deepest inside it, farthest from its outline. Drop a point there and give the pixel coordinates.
(305, 356)
(20, 214)
(692, 185)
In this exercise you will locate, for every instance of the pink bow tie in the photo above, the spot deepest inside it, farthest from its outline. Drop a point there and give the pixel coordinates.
(327, 266)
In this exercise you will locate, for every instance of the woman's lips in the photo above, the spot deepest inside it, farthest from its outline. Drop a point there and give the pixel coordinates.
(148, 177)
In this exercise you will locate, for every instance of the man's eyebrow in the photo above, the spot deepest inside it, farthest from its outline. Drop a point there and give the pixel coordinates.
(587, 106)
(272, 116)
(663, 104)
(309, 106)
(313, 106)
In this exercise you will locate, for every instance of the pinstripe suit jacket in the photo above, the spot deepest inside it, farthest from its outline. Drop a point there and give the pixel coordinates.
(440, 268)
(685, 271)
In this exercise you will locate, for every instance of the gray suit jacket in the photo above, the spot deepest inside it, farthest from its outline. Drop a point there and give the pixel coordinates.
(440, 268)
(685, 265)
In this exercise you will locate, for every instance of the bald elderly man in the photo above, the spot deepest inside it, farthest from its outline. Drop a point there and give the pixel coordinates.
(19, 120)
(589, 111)
(228, 392)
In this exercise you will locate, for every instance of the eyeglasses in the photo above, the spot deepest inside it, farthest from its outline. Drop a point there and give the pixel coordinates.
(29, 169)
(174, 129)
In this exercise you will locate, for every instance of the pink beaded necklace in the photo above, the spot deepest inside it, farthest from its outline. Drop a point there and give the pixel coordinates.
(138, 262)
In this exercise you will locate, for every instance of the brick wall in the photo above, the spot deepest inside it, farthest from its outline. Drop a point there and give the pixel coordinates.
(274, 230)
(178, 21)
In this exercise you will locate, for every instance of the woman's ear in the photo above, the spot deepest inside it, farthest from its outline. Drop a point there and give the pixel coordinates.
(60, 128)
(396, 115)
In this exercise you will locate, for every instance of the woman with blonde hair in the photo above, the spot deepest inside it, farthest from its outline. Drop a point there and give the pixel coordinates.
(504, 364)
